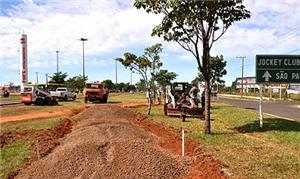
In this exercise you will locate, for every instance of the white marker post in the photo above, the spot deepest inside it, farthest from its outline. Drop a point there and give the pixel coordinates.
(260, 106)
(182, 144)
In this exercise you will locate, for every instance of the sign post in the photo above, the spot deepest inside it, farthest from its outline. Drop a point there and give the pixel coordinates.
(260, 106)
(23, 61)
(276, 69)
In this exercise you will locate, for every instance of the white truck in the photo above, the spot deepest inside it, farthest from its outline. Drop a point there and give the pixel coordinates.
(63, 93)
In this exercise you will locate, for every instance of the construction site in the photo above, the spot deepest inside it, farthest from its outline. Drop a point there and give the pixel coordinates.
(149, 89)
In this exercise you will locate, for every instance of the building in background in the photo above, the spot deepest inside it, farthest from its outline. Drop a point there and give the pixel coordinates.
(249, 85)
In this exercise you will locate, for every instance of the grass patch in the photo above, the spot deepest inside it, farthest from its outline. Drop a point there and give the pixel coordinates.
(10, 98)
(13, 156)
(250, 152)
(39, 123)
(23, 109)
(127, 98)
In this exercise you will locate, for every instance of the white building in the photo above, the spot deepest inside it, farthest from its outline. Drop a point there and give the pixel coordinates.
(249, 85)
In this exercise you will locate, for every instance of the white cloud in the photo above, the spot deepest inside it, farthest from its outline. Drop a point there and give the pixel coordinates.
(115, 25)
(59, 25)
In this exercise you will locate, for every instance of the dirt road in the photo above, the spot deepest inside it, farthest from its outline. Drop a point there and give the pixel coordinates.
(105, 144)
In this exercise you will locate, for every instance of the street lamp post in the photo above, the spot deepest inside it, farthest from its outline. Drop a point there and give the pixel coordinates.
(57, 68)
(242, 80)
(83, 70)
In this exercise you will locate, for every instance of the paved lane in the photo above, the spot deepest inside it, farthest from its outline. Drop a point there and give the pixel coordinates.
(285, 109)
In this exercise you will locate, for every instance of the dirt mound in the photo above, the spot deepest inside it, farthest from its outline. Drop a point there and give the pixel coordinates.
(136, 105)
(104, 144)
(204, 166)
(42, 114)
(46, 139)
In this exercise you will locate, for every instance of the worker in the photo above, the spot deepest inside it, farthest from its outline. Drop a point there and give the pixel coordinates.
(193, 94)
(158, 96)
(149, 95)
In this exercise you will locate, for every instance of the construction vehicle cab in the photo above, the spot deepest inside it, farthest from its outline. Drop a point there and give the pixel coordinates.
(178, 101)
(96, 92)
(34, 94)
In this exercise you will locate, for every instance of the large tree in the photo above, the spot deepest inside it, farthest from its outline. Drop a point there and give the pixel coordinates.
(59, 78)
(109, 84)
(76, 83)
(217, 71)
(195, 23)
(145, 65)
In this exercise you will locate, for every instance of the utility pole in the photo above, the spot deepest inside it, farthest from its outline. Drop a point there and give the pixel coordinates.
(83, 67)
(47, 79)
(37, 77)
(242, 83)
(57, 66)
(116, 70)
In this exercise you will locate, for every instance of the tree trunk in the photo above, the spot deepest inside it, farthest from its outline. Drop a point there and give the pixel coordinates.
(149, 107)
(207, 107)
(206, 74)
(149, 98)
(164, 96)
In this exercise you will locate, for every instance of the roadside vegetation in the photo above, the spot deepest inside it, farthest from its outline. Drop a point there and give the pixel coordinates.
(10, 98)
(34, 124)
(13, 156)
(17, 152)
(245, 150)
(18, 138)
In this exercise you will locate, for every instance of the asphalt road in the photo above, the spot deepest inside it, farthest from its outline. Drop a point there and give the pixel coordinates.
(283, 109)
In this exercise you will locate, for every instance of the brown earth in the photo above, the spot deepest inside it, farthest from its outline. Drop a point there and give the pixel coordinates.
(46, 140)
(42, 114)
(108, 142)
(136, 105)
(204, 166)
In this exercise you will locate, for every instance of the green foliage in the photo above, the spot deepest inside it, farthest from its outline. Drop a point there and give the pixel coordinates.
(141, 85)
(192, 23)
(76, 83)
(124, 87)
(189, 22)
(109, 84)
(13, 156)
(164, 78)
(217, 70)
(145, 65)
(58, 78)
(217, 67)
(198, 79)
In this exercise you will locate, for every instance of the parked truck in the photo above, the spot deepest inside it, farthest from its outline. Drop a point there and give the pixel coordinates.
(96, 92)
(63, 93)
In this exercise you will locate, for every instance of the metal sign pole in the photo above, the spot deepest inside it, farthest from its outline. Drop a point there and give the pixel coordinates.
(260, 106)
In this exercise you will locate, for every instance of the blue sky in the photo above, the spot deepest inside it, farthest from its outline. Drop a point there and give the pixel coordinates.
(115, 26)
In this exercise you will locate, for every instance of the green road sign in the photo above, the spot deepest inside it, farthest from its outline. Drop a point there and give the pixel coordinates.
(277, 68)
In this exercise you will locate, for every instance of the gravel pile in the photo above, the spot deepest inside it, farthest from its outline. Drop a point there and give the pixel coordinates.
(104, 144)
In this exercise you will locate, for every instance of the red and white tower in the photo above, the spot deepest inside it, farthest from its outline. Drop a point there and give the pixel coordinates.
(23, 60)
